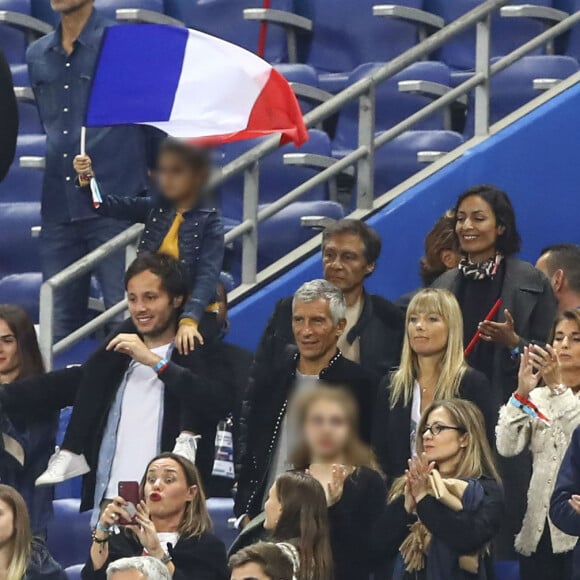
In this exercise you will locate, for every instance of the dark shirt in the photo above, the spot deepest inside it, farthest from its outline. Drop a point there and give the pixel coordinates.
(61, 85)
(476, 298)
(8, 118)
(197, 558)
(42, 565)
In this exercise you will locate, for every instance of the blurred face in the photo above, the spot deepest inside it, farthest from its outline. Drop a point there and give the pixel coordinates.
(314, 330)
(446, 447)
(177, 180)
(344, 262)
(326, 429)
(6, 523)
(150, 306)
(477, 229)
(249, 571)
(68, 6)
(9, 357)
(567, 345)
(166, 490)
(428, 333)
(272, 509)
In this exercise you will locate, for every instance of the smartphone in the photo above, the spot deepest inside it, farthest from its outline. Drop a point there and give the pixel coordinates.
(129, 491)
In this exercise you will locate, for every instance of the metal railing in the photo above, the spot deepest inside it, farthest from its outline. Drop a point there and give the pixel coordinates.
(363, 156)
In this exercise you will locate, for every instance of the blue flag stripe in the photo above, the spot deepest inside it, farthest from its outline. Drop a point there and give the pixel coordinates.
(137, 74)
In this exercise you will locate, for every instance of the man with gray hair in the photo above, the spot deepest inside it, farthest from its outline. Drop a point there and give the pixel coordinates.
(138, 568)
(267, 435)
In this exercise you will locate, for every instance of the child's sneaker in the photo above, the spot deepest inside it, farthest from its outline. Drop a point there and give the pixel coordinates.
(63, 465)
(186, 446)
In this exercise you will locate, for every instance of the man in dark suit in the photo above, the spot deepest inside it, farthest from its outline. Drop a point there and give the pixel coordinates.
(374, 327)
(267, 434)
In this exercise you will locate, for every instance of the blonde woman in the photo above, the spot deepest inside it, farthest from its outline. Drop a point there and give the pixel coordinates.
(172, 525)
(432, 368)
(21, 557)
(444, 531)
(545, 552)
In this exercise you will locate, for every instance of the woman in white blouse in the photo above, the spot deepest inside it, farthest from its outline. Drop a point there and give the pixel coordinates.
(543, 419)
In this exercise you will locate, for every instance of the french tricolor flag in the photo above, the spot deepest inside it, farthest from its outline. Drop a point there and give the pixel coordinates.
(190, 85)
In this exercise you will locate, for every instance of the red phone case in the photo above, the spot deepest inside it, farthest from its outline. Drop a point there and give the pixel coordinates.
(129, 491)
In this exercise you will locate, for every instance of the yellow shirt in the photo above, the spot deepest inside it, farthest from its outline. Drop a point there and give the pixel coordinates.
(170, 243)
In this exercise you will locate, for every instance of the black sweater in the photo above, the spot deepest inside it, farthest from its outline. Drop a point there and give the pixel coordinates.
(352, 520)
(392, 427)
(464, 532)
(197, 558)
(8, 118)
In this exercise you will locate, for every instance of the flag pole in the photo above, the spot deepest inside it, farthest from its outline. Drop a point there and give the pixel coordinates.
(83, 140)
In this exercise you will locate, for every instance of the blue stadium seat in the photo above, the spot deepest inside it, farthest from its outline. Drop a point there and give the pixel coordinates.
(22, 289)
(19, 251)
(392, 106)
(299, 76)
(42, 10)
(69, 533)
(220, 511)
(109, 7)
(224, 18)
(276, 179)
(507, 570)
(570, 43)
(346, 35)
(74, 572)
(507, 33)
(398, 160)
(13, 41)
(23, 184)
(514, 87)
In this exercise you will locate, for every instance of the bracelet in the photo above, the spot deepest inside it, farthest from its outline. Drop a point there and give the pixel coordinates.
(96, 540)
(530, 408)
(161, 366)
(102, 528)
(166, 558)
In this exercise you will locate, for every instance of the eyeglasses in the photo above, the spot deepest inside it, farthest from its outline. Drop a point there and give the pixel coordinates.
(437, 428)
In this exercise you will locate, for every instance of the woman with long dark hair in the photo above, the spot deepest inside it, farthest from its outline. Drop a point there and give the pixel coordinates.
(172, 524)
(432, 368)
(333, 453)
(445, 511)
(22, 557)
(36, 430)
(297, 519)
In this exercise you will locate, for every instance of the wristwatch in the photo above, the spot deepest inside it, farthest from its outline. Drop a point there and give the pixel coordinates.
(166, 558)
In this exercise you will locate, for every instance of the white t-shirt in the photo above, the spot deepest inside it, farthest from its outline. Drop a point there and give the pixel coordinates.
(415, 415)
(138, 434)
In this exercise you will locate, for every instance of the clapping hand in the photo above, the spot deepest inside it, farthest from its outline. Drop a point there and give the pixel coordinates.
(336, 485)
(547, 362)
(146, 532)
(527, 379)
(418, 476)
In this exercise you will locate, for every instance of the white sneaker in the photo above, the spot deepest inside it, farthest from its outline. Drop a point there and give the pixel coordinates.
(63, 465)
(186, 446)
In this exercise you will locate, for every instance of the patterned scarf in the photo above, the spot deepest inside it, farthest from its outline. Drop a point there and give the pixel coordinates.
(481, 271)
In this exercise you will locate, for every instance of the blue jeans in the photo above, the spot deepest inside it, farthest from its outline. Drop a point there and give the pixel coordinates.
(63, 244)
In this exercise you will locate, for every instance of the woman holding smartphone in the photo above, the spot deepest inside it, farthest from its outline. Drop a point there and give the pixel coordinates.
(171, 524)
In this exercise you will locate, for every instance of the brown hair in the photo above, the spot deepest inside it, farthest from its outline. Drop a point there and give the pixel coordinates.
(571, 314)
(196, 518)
(441, 237)
(22, 327)
(304, 521)
(356, 452)
(22, 536)
(274, 563)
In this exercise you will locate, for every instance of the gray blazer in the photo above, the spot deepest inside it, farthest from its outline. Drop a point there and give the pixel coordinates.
(527, 294)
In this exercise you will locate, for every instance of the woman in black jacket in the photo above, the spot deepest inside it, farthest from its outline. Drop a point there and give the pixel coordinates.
(447, 508)
(334, 454)
(432, 368)
(172, 524)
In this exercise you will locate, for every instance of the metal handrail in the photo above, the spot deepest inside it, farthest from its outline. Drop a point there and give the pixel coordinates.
(363, 156)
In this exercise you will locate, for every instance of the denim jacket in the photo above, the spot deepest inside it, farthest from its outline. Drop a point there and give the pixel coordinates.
(61, 85)
(201, 241)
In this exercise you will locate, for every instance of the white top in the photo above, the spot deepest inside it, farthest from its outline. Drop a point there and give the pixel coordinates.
(351, 351)
(288, 436)
(415, 415)
(139, 424)
(168, 538)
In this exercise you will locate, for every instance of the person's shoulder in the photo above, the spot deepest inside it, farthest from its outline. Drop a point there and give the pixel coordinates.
(42, 564)
(472, 379)
(447, 280)
(368, 475)
(39, 47)
(207, 544)
(525, 272)
(386, 310)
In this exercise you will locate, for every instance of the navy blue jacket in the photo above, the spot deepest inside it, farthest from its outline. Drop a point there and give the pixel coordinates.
(201, 241)
(568, 483)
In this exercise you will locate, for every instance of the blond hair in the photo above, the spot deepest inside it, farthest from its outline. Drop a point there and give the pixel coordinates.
(477, 459)
(356, 453)
(22, 536)
(452, 365)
